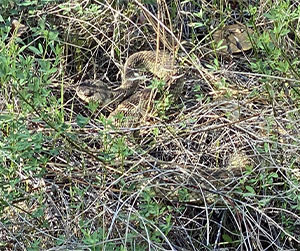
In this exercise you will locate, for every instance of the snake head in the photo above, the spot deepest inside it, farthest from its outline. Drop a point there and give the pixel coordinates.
(97, 91)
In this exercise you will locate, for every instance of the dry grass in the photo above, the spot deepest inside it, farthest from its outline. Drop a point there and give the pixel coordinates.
(220, 170)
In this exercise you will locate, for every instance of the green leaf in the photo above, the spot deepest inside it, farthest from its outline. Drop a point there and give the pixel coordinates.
(34, 50)
(81, 120)
(199, 14)
(196, 25)
(266, 147)
(250, 189)
(52, 70)
(273, 175)
(27, 3)
(41, 48)
(227, 238)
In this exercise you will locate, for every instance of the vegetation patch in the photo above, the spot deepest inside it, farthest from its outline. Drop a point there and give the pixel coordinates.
(214, 166)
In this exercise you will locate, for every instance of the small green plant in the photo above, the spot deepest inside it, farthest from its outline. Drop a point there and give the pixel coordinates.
(165, 98)
(156, 214)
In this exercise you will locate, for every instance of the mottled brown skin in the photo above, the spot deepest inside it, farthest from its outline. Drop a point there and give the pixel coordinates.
(94, 91)
(134, 105)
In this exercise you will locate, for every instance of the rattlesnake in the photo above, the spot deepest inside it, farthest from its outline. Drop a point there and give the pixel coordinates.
(132, 104)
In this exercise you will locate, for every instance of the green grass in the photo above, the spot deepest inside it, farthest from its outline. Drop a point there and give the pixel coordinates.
(70, 179)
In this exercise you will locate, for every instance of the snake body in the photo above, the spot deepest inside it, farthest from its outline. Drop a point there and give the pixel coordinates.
(132, 104)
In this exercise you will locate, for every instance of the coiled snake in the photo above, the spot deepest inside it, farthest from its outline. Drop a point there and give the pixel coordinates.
(133, 104)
